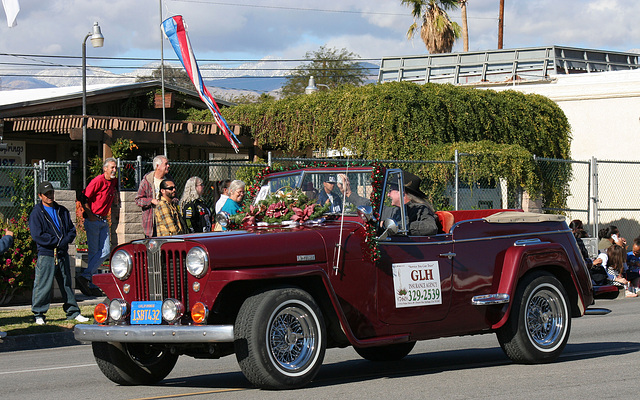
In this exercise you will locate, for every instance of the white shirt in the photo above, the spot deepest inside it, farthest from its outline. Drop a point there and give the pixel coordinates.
(223, 199)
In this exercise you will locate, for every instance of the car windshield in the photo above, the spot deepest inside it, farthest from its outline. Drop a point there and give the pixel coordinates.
(339, 189)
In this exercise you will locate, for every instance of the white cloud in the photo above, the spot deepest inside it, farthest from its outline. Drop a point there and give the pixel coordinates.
(290, 28)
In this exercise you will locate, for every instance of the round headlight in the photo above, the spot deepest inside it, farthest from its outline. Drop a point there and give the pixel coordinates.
(172, 310)
(197, 261)
(121, 264)
(118, 310)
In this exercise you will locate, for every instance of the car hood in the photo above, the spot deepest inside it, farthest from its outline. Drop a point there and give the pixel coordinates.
(274, 246)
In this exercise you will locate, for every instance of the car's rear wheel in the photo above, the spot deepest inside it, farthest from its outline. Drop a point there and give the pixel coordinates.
(392, 352)
(280, 338)
(133, 363)
(540, 321)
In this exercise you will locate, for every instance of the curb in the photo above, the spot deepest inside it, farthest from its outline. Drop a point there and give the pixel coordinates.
(44, 340)
(38, 341)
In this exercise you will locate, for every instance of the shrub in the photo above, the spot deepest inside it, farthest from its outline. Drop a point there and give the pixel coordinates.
(17, 265)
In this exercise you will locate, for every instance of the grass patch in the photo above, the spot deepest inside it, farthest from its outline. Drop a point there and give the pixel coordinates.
(22, 322)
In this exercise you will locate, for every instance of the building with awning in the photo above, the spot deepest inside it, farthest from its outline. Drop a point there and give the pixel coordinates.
(47, 124)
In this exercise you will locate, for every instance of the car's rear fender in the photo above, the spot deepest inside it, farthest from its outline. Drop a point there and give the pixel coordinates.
(551, 257)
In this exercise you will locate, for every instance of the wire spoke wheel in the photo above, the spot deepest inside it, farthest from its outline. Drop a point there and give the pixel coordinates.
(539, 322)
(545, 318)
(280, 338)
(292, 338)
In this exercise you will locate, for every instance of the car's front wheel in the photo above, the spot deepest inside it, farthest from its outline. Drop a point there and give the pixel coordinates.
(133, 363)
(280, 338)
(540, 321)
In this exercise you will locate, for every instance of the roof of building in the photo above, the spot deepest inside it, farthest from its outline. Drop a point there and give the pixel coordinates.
(524, 64)
(29, 97)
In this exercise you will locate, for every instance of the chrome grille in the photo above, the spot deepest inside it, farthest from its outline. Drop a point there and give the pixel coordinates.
(160, 271)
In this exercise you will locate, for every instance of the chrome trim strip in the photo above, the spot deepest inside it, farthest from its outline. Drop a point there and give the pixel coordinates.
(476, 239)
(512, 236)
(528, 242)
(490, 299)
(154, 333)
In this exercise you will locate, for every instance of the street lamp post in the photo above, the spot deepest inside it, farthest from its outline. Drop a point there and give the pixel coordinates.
(312, 87)
(97, 40)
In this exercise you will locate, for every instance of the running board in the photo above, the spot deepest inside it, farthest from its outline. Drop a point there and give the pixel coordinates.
(490, 299)
(597, 311)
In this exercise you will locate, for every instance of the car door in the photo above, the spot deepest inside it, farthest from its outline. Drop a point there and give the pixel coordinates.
(414, 273)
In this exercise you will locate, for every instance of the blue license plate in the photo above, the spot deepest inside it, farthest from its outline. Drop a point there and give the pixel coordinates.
(146, 312)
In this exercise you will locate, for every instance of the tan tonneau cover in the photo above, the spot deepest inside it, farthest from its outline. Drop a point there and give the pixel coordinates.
(508, 217)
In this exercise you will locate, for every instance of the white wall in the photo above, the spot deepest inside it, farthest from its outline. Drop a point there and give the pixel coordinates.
(603, 110)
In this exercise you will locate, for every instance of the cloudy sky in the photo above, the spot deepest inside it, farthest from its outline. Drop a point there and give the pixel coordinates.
(287, 29)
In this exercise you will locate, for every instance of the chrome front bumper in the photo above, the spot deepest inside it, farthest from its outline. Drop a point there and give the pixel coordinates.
(154, 333)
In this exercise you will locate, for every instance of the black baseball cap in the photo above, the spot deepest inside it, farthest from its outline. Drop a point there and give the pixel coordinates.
(44, 187)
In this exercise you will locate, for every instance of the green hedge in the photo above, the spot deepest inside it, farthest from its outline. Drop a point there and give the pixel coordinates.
(401, 120)
(407, 121)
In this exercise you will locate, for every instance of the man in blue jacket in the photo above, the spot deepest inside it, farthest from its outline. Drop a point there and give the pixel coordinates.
(52, 230)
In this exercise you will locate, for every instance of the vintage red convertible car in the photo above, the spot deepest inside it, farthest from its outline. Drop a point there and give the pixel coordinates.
(290, 278)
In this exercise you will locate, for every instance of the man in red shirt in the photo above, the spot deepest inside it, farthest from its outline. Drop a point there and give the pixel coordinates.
(99, 196)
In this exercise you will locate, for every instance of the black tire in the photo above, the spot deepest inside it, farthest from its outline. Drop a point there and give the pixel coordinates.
(540, 321)
(392, 352)
(280, 338)
(133, 363)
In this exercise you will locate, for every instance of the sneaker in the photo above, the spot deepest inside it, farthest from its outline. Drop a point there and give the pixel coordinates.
(82, 283)
(630, 294)
(81, 318)
(40, 321)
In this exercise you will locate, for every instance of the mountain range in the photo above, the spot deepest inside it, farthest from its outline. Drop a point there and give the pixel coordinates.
(265, 76)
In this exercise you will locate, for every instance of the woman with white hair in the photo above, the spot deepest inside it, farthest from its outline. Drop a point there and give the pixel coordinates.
(236, 194)
(195, 212)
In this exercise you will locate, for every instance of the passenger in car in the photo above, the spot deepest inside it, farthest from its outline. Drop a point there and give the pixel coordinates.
(352, 197)
(329, 196)
(422, 220)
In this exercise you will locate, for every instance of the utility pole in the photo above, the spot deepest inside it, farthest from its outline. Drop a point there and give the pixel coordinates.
(465, 25)
(501, 25)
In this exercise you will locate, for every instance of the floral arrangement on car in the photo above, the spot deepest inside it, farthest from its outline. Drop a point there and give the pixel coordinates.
(280, 208)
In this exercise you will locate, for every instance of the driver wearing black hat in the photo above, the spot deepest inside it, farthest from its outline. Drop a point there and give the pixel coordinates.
(420, 215)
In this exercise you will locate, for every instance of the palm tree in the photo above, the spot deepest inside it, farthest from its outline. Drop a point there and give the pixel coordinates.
(437, 31)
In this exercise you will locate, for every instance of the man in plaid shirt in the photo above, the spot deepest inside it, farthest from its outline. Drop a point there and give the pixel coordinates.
(168, 219)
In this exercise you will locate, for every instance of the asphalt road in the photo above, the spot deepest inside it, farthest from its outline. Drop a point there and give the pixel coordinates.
(601, 360)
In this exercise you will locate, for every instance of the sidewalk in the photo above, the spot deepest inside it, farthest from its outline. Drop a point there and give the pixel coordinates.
(44, 340)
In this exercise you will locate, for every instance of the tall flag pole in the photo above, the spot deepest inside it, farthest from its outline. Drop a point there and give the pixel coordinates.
(164, 108)
(176, 32)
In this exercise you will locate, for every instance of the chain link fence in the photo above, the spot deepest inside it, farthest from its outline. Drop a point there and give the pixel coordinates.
(593, 193)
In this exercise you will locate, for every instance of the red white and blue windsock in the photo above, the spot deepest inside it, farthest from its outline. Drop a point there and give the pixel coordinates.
(176, 32)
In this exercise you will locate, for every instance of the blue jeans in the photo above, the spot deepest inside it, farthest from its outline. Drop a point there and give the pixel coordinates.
(46, 270)
(99, 245)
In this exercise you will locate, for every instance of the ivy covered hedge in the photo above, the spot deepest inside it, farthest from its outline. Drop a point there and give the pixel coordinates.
(401, 120)
(407, 121)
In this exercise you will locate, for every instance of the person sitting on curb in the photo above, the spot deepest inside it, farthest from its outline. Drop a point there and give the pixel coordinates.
(52, 230)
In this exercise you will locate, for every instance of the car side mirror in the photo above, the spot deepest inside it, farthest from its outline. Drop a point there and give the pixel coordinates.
(222, 218)
(390, 228)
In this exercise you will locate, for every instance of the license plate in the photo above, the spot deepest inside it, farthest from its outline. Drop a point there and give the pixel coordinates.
(146, 312)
